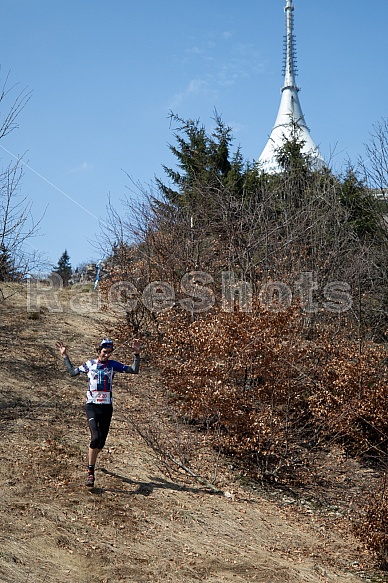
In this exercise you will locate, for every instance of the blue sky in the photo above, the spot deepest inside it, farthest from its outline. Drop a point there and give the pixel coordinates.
(104, 76)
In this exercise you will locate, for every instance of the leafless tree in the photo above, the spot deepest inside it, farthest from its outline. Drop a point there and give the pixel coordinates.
(9, 120)
(17, 225)
(377, 153)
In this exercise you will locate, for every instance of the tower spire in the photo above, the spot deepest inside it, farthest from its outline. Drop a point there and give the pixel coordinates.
(290, 113)
(289, 48)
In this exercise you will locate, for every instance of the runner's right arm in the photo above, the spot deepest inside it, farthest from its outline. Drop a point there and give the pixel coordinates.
(73, 371)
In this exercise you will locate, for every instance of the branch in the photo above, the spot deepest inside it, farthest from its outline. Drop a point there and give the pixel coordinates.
(154, 442)
(197, 477)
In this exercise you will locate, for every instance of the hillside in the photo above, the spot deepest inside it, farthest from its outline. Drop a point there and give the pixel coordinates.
(138, 525)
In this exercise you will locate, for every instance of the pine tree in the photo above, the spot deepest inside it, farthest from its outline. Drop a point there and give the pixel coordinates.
(63, 268)
(7, 268)
(362, 206)
(203, 161)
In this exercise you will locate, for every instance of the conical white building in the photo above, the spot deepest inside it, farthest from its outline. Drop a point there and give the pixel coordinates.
(290, 115)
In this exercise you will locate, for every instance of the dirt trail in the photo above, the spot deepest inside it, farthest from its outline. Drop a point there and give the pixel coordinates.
(137, 525)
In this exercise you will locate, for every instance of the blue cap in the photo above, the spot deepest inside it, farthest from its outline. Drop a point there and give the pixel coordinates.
(106, 343)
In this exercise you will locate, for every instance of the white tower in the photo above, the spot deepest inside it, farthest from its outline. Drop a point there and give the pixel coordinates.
(290, 114)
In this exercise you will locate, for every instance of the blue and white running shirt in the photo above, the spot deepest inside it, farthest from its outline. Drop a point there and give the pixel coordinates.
(100, 375)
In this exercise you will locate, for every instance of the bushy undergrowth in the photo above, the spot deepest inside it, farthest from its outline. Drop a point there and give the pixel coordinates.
(272, 394)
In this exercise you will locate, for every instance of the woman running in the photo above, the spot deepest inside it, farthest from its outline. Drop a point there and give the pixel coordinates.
(99, 402)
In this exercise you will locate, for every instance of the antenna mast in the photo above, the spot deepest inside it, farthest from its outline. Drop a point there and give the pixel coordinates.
(289, 65)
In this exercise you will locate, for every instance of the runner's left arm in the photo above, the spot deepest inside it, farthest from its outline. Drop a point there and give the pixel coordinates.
(134, 369)
(136, 346)
(119, 367)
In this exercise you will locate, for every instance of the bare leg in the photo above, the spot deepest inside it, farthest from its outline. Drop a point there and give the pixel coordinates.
(92, 457)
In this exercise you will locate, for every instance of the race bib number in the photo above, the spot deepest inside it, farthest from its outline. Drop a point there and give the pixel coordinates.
(101, 397)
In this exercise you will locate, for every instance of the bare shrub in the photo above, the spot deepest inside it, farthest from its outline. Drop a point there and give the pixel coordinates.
(372, 526)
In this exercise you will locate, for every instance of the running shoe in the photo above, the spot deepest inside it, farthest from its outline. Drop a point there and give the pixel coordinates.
(90, 480)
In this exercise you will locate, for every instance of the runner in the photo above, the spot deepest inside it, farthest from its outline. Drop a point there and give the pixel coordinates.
(99, 402)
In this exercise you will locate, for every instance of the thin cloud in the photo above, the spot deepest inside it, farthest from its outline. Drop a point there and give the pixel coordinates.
(224, 63)
(196, 87)
(244, 62)
(84, 167)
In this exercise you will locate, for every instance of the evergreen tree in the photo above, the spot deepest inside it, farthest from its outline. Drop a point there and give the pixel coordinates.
(203, 161)
(362, 206)
(63, 268)
(7, 267)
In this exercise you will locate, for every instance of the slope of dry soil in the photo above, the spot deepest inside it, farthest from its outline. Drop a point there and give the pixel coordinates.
(137, 525)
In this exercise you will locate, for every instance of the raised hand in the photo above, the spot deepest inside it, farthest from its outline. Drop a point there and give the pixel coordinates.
(62, 348)
(136, 345)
